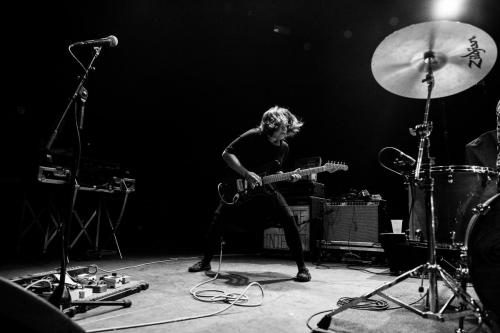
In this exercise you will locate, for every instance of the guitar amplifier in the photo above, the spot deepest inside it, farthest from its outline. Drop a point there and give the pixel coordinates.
(301, 188)
(274, 238)
(309, 162)
(307, 211)
(354, 221)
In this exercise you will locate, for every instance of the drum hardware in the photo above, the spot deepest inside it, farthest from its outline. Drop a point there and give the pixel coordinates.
(459, 268)
(454, 244)
(450, 178)
(481, 209)
(396, 161)
(419, 235)
(444, 52)
(452, 237)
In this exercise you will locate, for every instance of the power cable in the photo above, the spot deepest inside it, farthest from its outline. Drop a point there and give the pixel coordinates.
(368, 304)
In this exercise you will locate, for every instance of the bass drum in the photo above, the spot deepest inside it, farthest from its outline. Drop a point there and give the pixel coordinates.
(482, 241)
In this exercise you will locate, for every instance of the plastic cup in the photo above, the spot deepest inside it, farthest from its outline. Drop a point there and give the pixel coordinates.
(397, 226)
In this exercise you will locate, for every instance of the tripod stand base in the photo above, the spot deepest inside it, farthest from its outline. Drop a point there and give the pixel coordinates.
(84, 306)
(467, 306)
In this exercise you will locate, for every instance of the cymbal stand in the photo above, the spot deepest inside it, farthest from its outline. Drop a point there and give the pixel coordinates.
(467, 304)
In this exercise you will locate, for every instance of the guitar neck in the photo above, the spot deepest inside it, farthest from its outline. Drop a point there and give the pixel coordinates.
(286, 175)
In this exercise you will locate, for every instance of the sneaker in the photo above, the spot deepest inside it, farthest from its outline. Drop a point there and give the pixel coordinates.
(200, 266)
(303, 275)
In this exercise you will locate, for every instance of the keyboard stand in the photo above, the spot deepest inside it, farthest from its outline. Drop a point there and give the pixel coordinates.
(101, 210)
(41, 212)
(45, 218)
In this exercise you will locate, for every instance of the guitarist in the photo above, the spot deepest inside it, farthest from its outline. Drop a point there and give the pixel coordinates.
(265, 146)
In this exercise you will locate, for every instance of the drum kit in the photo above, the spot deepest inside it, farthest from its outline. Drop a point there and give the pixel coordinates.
(425, 61)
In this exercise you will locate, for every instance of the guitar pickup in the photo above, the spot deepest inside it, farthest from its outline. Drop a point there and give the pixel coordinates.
(241, 185)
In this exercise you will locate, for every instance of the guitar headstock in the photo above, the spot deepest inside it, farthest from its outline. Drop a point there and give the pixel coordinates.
(335, 166)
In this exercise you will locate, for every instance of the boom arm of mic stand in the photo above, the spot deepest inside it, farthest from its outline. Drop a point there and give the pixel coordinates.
(53, 137)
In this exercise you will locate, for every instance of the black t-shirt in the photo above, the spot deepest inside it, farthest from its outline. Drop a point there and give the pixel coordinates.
(256, 153)
(482, 151)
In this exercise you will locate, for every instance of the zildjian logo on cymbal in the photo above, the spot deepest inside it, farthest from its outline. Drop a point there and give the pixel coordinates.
(474, 53)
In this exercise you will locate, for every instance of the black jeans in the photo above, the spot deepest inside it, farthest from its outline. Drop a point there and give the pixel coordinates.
(269, 203)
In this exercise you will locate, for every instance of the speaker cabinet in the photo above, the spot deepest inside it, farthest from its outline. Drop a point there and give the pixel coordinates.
(274, 238)
(23, 311)
(308, 212)
(354, 221)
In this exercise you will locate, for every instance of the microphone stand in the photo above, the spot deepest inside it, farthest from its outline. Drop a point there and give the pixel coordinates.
(61, 297)
(57, 296)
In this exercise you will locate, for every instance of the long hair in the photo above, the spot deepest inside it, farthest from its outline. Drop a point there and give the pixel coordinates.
(276, 117)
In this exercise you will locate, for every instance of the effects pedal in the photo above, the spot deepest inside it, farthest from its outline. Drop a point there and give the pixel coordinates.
(86, 279)
(114, 280)
(85, 292)
(98, 288)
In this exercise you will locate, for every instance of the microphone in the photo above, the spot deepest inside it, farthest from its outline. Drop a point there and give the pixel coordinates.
(110, 41)
(395, 160)
(82, 111)
(83, 98)
(404, 159)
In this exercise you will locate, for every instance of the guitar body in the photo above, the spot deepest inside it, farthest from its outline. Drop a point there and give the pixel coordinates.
(232, 191)
(235, 189)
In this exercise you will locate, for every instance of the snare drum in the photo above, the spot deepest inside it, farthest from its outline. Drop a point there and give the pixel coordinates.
(457, 189)
(482, 243)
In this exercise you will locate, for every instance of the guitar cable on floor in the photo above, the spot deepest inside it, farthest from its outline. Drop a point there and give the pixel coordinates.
(208, 295)
(215, 295)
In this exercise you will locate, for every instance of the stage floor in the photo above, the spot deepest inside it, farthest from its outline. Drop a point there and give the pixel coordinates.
(286, 305)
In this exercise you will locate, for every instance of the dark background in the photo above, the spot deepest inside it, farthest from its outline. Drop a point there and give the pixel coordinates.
(187, 77)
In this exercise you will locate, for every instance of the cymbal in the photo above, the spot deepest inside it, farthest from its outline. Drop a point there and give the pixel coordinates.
(460, 55)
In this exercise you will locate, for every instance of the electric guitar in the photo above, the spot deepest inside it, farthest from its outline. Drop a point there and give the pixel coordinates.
(235, 189)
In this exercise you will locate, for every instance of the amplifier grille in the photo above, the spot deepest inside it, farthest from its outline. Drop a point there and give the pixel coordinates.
(351, 221)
